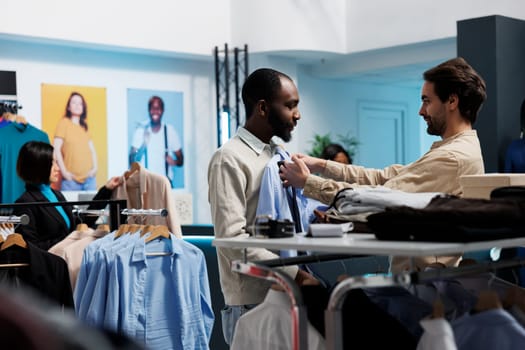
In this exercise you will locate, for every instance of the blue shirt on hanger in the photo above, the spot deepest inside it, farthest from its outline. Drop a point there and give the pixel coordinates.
(161, 301)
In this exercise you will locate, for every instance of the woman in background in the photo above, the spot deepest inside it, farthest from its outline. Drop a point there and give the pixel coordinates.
(337, 153)
(74, 149)
(47, 226)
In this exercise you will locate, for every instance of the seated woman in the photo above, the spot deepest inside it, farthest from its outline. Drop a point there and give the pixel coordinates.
(48, 225)
(337, 153)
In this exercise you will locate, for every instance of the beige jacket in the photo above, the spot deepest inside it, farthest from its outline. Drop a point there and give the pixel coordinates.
(438, 170)
(146, 190)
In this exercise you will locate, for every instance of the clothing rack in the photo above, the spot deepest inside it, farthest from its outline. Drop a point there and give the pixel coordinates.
(333, 313)
(145, 212)
(299, 319)
(13, 219)
(116, 207)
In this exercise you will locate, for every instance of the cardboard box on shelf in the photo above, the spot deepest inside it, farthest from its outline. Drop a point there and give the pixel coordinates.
(480, 186)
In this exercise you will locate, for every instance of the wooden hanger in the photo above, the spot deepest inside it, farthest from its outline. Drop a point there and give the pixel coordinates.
(135, 227)
(82, 227)
(122, 229)
(135, 167)
(15, 118)
(438, 309)
(103, 227)
(146, 229)
(487, 300)
(514, 295)
(158, 231)
(14, 239)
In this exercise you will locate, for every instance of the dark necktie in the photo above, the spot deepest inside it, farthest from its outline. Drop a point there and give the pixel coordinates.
(294, 208)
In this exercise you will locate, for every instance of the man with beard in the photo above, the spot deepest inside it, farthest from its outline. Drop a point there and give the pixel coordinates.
(234, 177)
(452, 95)
(156, 144)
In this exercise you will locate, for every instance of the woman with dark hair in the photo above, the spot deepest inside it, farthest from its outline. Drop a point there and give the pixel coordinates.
(337, 153)
(74, 150)
(37, 167)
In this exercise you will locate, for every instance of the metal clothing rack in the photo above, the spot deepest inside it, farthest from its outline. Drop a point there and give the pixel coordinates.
(145, 212)
(298, 311)
(333, 313)
(115, 208)
(13, 219)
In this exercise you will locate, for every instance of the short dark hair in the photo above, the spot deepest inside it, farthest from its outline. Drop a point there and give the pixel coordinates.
(331, 150)
(155, 98)
(262, 84)
(457, 77)
(34, 162)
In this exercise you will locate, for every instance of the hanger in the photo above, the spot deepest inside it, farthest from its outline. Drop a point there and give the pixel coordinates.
(103, 227)
(134, 228)
(487, 300)
(438, 309)
(122, 229)
(158, 231)
(514, 295)
(15, 118)
(135, 167)
(82, 227)
(146, 229)
(14, 239)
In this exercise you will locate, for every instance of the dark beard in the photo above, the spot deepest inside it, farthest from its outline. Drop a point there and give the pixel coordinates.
(279, 127)
(436, 130)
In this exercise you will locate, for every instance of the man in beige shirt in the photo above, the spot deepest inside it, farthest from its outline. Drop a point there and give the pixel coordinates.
(234, 177)
(451, 96)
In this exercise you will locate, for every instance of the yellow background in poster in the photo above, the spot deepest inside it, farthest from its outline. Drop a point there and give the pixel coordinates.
(54, 100)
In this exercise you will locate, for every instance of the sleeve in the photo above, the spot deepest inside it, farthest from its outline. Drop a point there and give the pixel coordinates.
(174, 143)
(339, 176)
(358, 174)
(30, 231)
(206, 306)
(267, 196)
(61, 129)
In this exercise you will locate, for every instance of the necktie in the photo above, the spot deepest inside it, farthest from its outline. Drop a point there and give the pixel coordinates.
(294, 208)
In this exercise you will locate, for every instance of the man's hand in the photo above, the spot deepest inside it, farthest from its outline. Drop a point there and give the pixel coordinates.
(316, 165)
(294, 174)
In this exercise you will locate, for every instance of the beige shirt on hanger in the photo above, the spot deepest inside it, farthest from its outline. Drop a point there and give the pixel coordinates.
(147, 190)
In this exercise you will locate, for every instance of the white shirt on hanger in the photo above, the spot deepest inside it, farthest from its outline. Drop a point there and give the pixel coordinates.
(268, 326)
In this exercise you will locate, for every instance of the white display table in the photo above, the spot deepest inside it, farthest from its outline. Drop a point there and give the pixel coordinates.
(356, 243)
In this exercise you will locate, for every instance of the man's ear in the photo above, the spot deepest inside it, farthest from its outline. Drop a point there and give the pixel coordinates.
(453, 101)
(262, 107)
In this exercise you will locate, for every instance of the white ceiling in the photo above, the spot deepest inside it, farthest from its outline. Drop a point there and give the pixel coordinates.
(398, 66)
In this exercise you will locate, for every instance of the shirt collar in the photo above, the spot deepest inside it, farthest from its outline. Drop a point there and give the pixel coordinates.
(453, 137)
(253, 141)
(139, 249)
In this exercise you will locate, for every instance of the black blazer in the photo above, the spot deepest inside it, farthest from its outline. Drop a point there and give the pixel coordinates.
(46, 225)
(47, 274)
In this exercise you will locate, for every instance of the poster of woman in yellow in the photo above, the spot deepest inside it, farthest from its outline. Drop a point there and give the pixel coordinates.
(74, 117)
